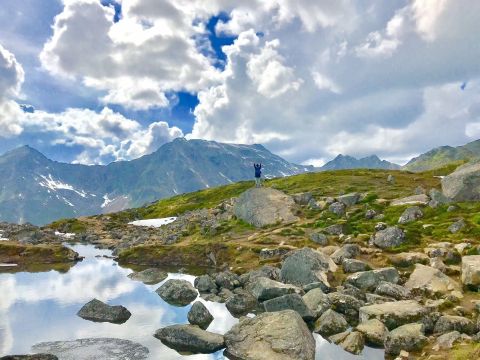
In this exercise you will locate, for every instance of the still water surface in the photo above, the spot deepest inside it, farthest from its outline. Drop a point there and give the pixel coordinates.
(37, 307)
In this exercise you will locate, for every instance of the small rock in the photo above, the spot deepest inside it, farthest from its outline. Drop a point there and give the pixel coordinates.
(369, 280)
(394, 314)
(352, 342)
(437, 198)
(199, 315)
(452, 208)
(345, 252)
(471, 270)
(447, 340)
(448, 323)
(319, 238)
(388, 238)
(96, 310)
(177, 292)
(370, 214)
(391, 179)
(346, 305)
(227, 280)
(411, 200)
(205, 284)
(317, 302)
(375, 332)
(410, 214)
(457, 226)
(409, 337)
(408, 259)
(380, 226)
(336, 229)
(302, 198)
(330, 323)
(392, 290)
(428, 281)
(190, 338)
(353, 266)
(337, 208)
(149, 276)
(349, 199)
(264, 289)
(241, 304)
(289, 302)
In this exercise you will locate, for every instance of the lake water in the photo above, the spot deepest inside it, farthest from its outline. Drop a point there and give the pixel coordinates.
(37, 307)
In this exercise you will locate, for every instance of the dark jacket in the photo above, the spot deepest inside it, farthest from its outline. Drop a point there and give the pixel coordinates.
(258, 170)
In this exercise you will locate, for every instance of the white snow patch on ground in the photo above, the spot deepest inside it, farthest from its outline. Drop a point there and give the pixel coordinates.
(65, 235)
(2, 238)
(153, 222)
(50, 183)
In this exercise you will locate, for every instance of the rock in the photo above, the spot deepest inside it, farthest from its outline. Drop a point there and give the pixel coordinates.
(351, 341)
(267, 271)
(302, 198)
(289, 302)
(102, 348)
(317, 302)
(241, 304)
(457, 226)
(278, 335)
(431, 282)
(319, 238)
(438, 264)
(199, 315)
(409, 337)
(408, 259)
(305, 266)
(452, 208)
(421, 199)
(447, 340)
(437, 198)
(410, 214)
(471, 271)
(380, 226)
(374, 331)
(177, 292)
(336, 229)
(264, 289)
(227, 280)
(346, 305)
(330, 323)
(317, 205)
(149, 276)
(369, 280)
(96, 310)
(392, 290)
(190, 338)
(377, 299)
(353, 266)
(349, 199)
(370, 214)
(337, 208)
(388, 238)
(205, 284)
(463, 184)
(316, 285)
(264, 206)
(271, 253)
(351, 290)
(448, 323)
(394, 314)
(30, 357)
(345, 252)
(419, 190)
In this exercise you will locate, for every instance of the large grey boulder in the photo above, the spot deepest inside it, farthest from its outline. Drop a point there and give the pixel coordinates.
(408, 337)
(390, 237)
(351, 341)
(447, 323)
(199, 315)
(426, 280)
(205, 284)
(421, 199)
(177, 292)
(190, 338)
(347, 251)
(369, 280)
(279, 335)
(330, 323)
(97, 348)
(349, 199)
(374, 331)
(305, 266)
(463, 184)
(471, 270)
(346, 304)
(149, 276)
(241, 303)
(289, 302)
(264, 206)
(410, 214)
(264, 288)
(394, 314)
(96, 310)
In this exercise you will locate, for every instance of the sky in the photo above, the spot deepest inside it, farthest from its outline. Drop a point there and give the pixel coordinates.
(95, 81)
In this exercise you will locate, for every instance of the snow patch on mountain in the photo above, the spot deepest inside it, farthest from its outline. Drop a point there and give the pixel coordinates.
(50, 183)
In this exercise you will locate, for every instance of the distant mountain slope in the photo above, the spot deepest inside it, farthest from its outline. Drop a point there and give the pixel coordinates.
(444, 155)
(36, 189)
(349, 162)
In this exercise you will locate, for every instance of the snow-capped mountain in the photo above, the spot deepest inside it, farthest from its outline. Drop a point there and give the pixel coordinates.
(38, 190)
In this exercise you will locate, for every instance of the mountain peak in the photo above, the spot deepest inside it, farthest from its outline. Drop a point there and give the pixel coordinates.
(24, 151)
(350, 162)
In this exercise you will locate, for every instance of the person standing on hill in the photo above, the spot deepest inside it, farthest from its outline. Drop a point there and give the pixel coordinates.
(258, 175)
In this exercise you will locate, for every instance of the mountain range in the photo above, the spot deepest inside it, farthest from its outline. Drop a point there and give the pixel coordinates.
(349, 162)
(38, 190)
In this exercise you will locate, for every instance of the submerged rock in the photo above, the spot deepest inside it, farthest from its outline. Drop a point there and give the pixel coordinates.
(177, 292)
(98, 348)
(190, 338)
(96, 310)
(199, 315)
(149, 276)
(278, 335)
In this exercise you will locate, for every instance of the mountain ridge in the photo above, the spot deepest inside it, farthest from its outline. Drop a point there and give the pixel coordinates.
(343, 162)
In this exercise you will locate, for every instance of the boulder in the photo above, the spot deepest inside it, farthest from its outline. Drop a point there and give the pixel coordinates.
(347, 251)
(279, 335)
(408, 337)
(96, 310)
(351, 341)
(302, 198)
(349, 199)
(265, 206)
(392, 290)
(289, 302)
(227, 280)
(447, 323)
(463, 184)
(421, 199)
(337, 208)
(267, 271)
(199, 315)
(190, 338)
(353, 266)
(241, 304)
(317, 302)
(394, 314)
(389, 237)
(177, 292)
(264, 289)
(369, 280)
(447, 340)
(346, 305)
(410, 214)
(437, 198)
(408, 259)
(370, 214)
(149, 276)
(305, 266)
(431, 282)
(471, 270)
(102, 348)
(374, 331)
(205, 284)
(335, 229)
(319, 238)
(457, 226)
(330, 323)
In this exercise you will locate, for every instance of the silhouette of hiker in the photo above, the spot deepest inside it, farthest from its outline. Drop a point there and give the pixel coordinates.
(258, 175)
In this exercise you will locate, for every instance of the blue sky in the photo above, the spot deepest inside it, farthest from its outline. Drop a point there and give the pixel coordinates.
(115, 80)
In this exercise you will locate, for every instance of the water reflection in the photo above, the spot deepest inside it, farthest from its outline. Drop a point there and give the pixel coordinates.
(37, 307)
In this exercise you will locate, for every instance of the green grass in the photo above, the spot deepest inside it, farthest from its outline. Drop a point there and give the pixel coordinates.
(69, 226)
